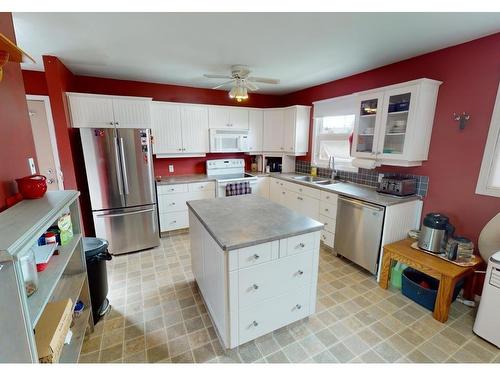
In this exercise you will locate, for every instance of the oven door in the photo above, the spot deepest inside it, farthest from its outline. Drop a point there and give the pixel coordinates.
(221, 186)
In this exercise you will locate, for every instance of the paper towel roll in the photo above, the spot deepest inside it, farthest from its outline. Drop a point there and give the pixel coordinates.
(364, 163)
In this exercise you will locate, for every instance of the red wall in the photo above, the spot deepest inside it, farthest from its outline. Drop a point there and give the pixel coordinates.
(16, 139)
(470, 73)
(35, 83)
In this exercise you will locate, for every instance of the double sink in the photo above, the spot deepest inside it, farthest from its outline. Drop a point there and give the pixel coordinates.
(316, 180)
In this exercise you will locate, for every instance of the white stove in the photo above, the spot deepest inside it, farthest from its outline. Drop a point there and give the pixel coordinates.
(227, 171)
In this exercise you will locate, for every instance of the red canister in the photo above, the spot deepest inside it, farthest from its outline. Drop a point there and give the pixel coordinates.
(32, 187)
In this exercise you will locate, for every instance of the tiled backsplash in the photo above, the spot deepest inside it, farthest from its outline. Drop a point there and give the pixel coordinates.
(363, 176)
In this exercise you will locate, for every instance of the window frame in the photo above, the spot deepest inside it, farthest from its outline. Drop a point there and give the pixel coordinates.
(491, 149)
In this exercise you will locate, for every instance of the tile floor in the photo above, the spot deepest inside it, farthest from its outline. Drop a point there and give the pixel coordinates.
(158, 316)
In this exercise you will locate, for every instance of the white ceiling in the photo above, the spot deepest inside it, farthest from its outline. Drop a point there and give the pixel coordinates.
(300, 49)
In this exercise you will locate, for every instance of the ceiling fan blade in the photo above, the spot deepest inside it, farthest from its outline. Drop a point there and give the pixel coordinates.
(251, 86)
(264, 80)
(217, 76)
(223, 84)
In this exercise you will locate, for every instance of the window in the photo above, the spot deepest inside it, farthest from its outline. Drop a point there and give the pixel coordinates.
(333, 125)
(489, 176)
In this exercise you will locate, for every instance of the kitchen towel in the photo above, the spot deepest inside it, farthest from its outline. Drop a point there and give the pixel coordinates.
(238, 188)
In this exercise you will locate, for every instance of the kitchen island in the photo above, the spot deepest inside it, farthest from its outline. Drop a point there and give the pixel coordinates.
(255, 263)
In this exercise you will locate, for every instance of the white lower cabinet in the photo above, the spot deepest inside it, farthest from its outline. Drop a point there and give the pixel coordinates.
(172, 199)
(312, 202)
(255, 290)
(262, 188)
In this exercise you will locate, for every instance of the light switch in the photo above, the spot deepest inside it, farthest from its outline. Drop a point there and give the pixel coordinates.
(31, 163)
(171, 168)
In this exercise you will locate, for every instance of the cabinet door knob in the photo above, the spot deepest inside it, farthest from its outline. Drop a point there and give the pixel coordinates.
(255, 286)
(255, 324)
(326, 209)
(116, 123)
(302, 245)
(111, 123)
(256, 256)
(300, 272)
(179, 149)
(298, 306)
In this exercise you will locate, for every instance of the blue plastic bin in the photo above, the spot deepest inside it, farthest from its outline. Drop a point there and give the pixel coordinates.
(426, 297)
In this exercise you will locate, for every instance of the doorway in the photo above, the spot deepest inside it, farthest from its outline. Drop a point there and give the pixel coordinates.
(44, 138)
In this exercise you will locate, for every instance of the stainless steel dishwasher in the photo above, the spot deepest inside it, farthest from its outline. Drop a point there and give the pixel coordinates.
(358, 231)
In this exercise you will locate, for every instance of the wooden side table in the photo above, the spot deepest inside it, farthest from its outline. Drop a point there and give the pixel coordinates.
(446, 272)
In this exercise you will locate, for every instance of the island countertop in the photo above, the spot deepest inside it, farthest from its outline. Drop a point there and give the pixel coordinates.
(247, 220)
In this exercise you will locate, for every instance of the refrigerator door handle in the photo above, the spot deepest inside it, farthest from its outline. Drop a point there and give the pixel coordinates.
(124, 167)
(118, 174)
(126, 213)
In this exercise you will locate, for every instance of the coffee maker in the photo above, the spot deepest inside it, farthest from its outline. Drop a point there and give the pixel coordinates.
(434, 234)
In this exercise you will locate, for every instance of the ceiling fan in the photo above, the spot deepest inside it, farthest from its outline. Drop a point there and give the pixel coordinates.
(241, 82)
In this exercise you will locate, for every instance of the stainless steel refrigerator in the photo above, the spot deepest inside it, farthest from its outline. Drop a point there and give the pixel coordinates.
(120, 177)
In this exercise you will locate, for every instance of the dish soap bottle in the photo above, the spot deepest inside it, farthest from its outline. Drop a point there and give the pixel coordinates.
(314, 171)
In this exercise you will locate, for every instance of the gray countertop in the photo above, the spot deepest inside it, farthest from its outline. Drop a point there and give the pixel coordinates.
(350, 189)
(183, 179)
(247, 220)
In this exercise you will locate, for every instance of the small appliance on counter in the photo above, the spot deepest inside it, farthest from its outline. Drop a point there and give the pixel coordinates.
(398, 186)
(436, 229)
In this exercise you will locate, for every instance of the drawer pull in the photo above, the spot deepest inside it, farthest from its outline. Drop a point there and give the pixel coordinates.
(300, 198)
(255, 286)
(172, 204)
(255, 324)
(300, 272)
(173, 222)
(171, 189)
(327, 197)
(256, 256)
(301, 245)
(298, 306)
(326, 209)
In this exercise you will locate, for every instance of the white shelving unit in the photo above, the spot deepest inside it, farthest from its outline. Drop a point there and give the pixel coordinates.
(65, 276)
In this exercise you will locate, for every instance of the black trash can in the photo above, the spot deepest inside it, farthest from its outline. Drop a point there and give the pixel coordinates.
(96, 254)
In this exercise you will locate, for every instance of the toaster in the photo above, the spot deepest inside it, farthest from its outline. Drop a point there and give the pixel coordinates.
(399, 186)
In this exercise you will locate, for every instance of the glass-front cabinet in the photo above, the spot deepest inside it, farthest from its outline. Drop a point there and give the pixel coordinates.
(368, 118)
(393, 124)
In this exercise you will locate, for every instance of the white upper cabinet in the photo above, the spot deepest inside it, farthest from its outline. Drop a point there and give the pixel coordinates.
(256, 128)
(221, 117)
(180, 129)
(394, 124)
(166, 128)
(102, 111)
(273, 130)
(286, 130)
(194, 119)
(132, 113)
(91, 111)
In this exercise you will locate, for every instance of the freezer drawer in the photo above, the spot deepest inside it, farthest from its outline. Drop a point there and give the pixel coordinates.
(128, 229)
(358, 232)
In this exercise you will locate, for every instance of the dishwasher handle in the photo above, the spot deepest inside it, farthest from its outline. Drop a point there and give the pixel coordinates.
(361, 204)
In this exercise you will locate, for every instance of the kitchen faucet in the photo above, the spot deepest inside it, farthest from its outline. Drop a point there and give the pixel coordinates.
(331, 163)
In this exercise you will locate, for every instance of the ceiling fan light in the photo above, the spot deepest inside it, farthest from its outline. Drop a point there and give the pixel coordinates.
(232, 92)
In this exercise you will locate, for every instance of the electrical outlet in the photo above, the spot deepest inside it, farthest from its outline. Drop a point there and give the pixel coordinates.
(171, 168)
(380, 176)
(31, 164)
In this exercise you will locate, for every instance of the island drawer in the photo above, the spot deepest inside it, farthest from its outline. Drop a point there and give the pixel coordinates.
(297, 244)
(327, 238)
(171, 189)
(329, 197)
(272, 314)
(174, 220)
(274, 278)
(201, 186)
(253, 255)
(328, 209)
(328, 222)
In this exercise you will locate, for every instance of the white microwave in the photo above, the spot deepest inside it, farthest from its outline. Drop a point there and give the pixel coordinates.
(225, 140)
